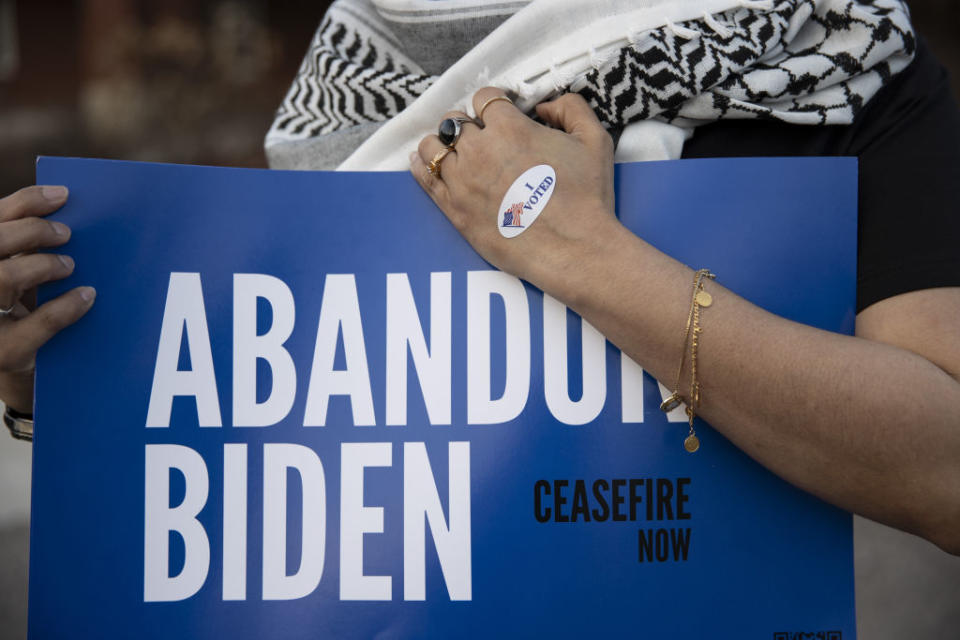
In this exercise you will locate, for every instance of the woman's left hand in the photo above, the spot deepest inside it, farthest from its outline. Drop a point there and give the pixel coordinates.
(476, 175)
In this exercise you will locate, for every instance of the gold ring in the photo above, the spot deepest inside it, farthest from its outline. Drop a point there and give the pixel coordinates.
(486, 104)
(434, 166)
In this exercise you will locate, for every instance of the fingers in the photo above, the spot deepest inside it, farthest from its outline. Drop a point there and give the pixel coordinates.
(468, 129)
(496, 110)
(32, 201)
(29, 234)
(431, 145)
(436, 188)
(20, 274)
(20, 341)
(429, 149)
(433, 185)
(571, 113)
(22, 231)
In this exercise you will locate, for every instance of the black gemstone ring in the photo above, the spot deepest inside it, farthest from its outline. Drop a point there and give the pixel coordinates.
(450, 129)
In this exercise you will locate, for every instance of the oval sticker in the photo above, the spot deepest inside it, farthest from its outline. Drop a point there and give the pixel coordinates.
(525, 199)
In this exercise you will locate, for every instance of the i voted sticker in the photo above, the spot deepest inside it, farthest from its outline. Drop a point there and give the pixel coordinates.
(525, 199)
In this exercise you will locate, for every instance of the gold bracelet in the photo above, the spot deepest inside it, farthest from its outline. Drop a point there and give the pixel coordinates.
(698, 298)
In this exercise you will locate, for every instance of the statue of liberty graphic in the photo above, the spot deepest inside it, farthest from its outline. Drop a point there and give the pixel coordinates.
(511, 217)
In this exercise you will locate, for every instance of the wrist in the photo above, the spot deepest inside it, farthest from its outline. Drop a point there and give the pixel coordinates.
(571, 272)
(16, 391)
(634, 294)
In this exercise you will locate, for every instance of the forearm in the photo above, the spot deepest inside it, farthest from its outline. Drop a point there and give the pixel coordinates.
(869, 427)
(866, 426)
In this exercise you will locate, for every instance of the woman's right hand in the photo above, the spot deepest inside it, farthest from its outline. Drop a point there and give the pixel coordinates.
(25, 327)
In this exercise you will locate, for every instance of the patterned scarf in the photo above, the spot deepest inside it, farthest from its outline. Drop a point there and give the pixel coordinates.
(653, 63)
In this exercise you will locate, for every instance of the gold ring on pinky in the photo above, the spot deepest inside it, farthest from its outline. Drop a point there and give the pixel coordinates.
(486, 104)
(434, 166)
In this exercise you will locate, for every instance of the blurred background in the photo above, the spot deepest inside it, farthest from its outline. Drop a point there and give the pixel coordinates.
(171, 81)
(197, 81)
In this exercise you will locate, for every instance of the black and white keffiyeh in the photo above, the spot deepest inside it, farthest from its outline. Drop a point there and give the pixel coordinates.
(380, 73)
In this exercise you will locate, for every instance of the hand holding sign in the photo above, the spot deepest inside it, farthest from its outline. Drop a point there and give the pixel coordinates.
(23, 329)
(487, 162)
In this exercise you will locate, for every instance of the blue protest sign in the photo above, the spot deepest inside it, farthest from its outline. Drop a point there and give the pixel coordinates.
(303, 407)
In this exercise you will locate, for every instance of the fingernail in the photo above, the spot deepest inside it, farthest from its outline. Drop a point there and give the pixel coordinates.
(67, 261)
(54, 194)
(413, 156)
(88, 293)
(60, 229)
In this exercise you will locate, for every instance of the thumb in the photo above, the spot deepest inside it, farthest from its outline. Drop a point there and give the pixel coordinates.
(571, 113)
